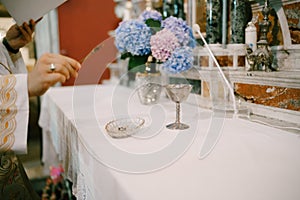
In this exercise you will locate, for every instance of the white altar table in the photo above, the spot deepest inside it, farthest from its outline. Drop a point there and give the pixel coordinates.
(249, 161)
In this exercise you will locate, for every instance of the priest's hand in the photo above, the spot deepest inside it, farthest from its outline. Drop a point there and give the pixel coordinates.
(49, 70)
(18, 36)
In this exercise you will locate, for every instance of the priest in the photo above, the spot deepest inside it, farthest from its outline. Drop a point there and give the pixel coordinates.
(16, 86)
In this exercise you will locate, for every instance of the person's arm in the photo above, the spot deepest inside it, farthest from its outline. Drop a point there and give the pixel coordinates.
(14, 102)
(18, 36)
(15, 89)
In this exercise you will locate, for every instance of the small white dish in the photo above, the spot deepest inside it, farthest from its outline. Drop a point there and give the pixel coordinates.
(124, 127)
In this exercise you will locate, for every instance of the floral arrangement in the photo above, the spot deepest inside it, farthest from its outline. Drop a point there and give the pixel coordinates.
(56, 186)
(169, 41)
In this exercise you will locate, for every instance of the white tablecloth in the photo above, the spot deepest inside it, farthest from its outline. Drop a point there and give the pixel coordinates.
(250, 161)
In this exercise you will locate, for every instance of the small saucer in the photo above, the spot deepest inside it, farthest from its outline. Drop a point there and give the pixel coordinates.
(124, 127)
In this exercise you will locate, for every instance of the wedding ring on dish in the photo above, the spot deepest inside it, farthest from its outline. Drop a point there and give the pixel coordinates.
(124, 127)
(52, 67)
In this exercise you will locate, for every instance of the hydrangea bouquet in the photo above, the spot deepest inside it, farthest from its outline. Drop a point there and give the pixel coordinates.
(169, 41)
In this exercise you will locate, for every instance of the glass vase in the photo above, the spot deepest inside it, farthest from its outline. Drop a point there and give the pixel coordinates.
(149, 87)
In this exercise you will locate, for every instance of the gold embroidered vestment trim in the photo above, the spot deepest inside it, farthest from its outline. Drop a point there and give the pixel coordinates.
(8, 111)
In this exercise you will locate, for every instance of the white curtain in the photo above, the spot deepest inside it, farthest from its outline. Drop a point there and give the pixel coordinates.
(47, 34)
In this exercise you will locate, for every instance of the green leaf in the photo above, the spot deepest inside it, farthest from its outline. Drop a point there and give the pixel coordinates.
(126, 55)
(155, 25)
(137, 63)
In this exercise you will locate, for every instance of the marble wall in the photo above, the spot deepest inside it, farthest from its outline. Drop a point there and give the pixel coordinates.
(280, 97)
(292, 13)
(274, 94)
(269, 95)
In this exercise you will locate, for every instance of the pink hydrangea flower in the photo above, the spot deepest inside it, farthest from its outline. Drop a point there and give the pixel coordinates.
(163, 44)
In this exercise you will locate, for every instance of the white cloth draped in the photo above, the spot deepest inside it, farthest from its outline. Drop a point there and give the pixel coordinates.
(20, 96)
(250, 161)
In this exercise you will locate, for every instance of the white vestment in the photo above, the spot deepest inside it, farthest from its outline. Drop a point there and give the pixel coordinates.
(14, 102)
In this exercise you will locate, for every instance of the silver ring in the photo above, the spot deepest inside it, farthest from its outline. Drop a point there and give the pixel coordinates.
(52, 67)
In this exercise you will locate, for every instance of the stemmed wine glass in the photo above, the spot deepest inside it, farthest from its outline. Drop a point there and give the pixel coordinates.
(178, 93)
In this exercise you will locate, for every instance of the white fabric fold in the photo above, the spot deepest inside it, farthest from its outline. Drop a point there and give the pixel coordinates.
(16, 65)
(22, 117)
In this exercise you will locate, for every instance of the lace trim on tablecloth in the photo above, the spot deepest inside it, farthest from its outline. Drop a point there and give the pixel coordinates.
(80, 190)
(64, 139)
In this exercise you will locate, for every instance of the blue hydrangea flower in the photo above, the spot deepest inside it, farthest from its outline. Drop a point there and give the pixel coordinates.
(182, 31)
(150, 14)
(180, 60)
(133, 36)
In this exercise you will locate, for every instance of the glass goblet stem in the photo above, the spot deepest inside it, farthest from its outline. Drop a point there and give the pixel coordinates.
(177, 113)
